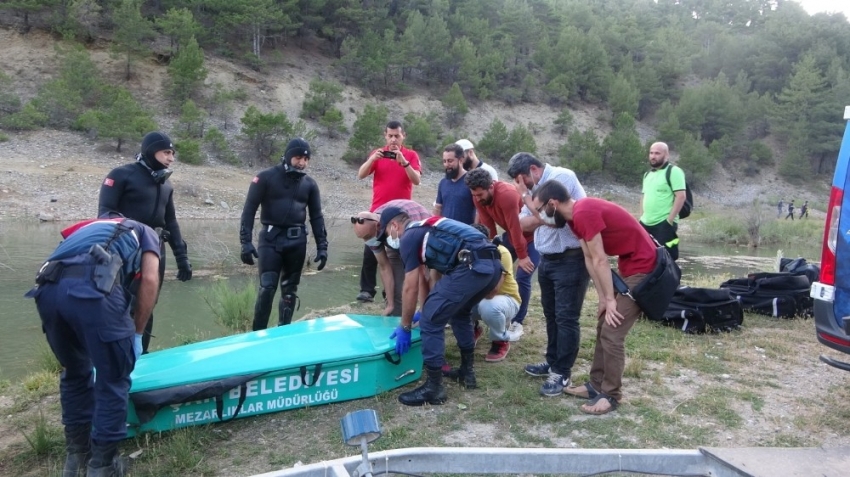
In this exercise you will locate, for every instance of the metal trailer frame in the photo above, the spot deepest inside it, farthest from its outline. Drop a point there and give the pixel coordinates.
(709, 462)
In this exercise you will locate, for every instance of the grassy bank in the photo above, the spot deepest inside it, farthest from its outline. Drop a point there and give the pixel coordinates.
(752, 227)
(752, 387)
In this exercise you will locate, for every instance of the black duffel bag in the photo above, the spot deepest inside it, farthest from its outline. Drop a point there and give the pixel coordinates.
(654, 292)
(700, 310)
(780, 295)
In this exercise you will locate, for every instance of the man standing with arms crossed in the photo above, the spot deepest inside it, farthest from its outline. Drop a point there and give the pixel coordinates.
(662, 200)
(396, 170)
(562, 276)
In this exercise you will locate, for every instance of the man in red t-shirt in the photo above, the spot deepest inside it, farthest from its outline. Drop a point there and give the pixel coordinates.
(396, 170)
(604, 229)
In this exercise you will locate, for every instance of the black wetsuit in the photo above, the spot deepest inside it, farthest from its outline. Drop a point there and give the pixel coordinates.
(131, 191)
(284, 198)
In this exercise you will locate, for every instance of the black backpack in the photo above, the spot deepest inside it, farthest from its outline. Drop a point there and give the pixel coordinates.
(688, 206)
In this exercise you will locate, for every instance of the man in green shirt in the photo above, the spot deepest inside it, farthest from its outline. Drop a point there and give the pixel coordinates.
(662, 199)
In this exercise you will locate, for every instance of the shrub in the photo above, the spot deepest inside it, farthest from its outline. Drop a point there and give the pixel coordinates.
(27, 119)
(233, 308)
(219, 146)
(190, 152)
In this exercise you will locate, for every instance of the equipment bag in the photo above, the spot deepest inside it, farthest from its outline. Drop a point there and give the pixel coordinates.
(780, 295)
(700, 310)
(654, 292)
(446, 238)
(799, 266)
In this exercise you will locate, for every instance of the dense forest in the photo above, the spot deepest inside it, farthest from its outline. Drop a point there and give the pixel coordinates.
(743, 83)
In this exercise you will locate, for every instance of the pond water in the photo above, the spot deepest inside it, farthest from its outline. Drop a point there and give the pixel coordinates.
(183, 312)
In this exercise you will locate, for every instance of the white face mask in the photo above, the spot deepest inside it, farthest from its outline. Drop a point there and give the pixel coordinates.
(393, 242)
(547, 219)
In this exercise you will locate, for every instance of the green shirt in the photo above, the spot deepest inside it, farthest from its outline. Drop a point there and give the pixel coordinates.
(658, 196)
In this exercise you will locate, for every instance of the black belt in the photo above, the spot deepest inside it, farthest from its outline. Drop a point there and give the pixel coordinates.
(293, 231)
(483, 254)
(51, 273)
(570, 252)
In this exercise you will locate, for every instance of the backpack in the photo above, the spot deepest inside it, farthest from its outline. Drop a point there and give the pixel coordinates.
(780, 295)
(700, 310)
(688, 206)
(446, 238)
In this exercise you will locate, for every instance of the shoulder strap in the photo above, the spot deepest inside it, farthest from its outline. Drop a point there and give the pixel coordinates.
(669, 170)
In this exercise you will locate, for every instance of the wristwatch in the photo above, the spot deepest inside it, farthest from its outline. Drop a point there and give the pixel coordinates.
(405, 165)
(406, 328)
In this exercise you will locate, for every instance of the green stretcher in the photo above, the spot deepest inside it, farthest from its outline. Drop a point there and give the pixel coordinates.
(307, 363)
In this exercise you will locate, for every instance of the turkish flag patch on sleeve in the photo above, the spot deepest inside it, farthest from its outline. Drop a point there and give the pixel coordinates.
(256, 180)
(108, 182)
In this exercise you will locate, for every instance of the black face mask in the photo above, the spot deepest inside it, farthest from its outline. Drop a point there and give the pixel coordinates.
(159, 175)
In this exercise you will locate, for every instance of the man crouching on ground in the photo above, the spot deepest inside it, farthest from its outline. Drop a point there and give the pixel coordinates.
(603, 229)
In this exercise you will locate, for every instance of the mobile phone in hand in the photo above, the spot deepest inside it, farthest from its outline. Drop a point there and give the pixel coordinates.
(389, 155)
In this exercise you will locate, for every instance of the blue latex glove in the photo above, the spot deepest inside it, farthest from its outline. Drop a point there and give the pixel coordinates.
(402, 340)
(137, 345)
(417, 316)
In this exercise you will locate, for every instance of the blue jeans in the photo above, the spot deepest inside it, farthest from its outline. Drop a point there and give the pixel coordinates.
(451, 301)
(563, 284)
(523, 278)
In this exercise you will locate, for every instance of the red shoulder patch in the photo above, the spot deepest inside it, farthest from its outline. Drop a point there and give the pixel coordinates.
(256, 180)
(108, 182)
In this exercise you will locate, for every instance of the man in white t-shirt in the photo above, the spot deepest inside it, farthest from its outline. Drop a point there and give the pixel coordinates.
(471, 161)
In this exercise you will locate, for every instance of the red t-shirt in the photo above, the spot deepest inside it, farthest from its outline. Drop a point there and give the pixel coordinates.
(622, 234)
(504, 211)
(390, 181)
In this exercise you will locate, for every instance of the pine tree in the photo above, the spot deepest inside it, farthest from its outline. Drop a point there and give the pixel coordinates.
(455, 106)
(132, 32)
(187, 71)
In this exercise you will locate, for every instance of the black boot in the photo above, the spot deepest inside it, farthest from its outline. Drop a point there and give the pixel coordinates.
(105, 461)
(287, 306)
(465, 374)
(78, 447)
(263, 308)
(432, 392)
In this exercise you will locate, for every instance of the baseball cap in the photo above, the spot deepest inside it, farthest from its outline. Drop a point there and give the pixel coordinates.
(466, 144)
(388, 214)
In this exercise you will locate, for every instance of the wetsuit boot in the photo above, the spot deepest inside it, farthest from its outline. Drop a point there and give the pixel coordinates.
(465, 374)
(105, 461)
(287, 307)
(78, 447)
(432, 392)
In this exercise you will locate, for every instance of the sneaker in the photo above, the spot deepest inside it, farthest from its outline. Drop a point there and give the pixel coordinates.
(498, 351)
(365, 297)
(538, 369)
(554, 385)
(515, 331)
(476, 334)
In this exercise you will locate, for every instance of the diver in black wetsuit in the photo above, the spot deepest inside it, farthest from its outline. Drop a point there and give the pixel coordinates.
(141, 191)
(285, 192)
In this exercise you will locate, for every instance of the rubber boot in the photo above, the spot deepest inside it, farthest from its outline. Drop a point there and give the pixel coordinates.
(78, 447)
(287, 308)
(263, 308)
(432, 392)
(105, 461)
(465, 374)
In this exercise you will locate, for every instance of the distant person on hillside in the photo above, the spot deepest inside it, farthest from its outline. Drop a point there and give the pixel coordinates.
(396, 170)
(804, 210)
(790, 210)
(471, 160)
(662, 199)
(780, 206)
(141, 191)
(284, 193)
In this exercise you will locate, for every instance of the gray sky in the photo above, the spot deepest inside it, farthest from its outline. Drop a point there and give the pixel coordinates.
(829, 6)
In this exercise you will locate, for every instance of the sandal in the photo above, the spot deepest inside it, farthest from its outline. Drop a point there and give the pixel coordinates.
(584, 391)
(587, 408)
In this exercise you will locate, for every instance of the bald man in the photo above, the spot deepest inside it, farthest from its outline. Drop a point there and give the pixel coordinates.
(663, 197)
(390, 267)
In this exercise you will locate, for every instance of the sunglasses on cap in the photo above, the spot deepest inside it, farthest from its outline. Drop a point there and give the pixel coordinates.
(361, 220)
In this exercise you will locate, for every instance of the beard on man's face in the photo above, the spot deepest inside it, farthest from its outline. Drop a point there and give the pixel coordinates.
(452, 172)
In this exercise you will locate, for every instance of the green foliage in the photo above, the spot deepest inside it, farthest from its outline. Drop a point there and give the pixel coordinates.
(368, 133)
(520, 139)
(189, 152)
(696, 161)
(582, 153)
(192, 119)
(27, 119)
(333, 121)
(563, 123)
(625, 153)
(187, 71)
(9, 101)
(119, 117)
(3, 136)
(758, 153)
(233, 308)
(46, 360)
(623, 97)
(179, 25)
(133, 33)
(711, 111)
(423, 132)
(321, 98)
(455, 105)
(46, 439)
(221, 103)
(266, 132)
(494, 143)
(219, 146)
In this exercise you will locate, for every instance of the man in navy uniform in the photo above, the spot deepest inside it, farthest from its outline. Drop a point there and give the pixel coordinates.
(85, 307)
(470, 269)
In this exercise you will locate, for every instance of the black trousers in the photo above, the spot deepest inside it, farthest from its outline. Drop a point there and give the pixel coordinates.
(369, 271)
(666, 235)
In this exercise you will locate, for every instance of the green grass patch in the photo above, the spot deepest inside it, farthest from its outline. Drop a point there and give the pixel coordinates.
(233, 308)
